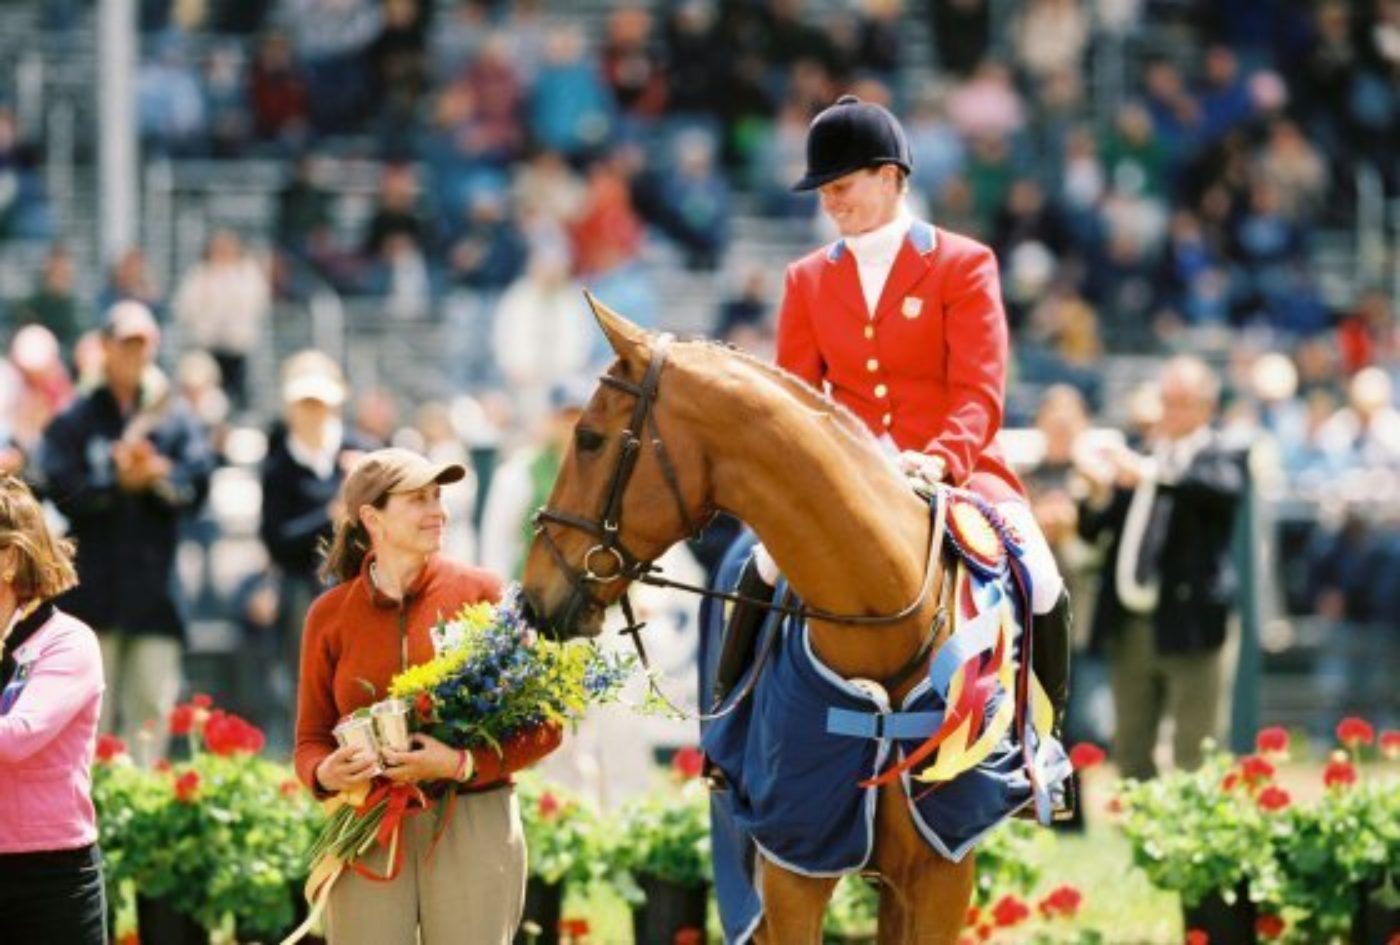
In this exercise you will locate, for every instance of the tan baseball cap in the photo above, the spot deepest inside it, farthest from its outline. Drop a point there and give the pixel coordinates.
(131, 319)
(393, 470)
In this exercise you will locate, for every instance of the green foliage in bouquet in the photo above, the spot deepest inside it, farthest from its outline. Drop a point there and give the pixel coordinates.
(1205, 831)
(562, 833)
(665, 834)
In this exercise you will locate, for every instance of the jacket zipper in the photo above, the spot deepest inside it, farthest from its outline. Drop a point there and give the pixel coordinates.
(403, 636)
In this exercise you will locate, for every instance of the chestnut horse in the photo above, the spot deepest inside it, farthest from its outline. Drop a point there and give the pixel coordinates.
(679, 430)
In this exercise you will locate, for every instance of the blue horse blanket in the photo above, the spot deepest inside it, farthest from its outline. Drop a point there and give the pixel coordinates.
(794, 792)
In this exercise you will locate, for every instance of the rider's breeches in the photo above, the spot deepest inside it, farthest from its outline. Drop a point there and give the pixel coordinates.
(1046, 583)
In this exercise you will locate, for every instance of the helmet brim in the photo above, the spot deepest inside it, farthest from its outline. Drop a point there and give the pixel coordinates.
(814, 179)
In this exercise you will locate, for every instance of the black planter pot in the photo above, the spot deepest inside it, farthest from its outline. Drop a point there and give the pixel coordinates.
(159, 924)
(668, 909)
(1373, 923)
(544, 907)
(1226, 924)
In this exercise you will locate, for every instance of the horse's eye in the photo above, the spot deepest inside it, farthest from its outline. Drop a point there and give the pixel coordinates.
(588, 440)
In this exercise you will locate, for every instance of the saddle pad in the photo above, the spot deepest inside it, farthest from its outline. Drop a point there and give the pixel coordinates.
(794, 791)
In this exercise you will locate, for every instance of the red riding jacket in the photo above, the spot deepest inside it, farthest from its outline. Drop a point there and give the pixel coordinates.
(929, 369)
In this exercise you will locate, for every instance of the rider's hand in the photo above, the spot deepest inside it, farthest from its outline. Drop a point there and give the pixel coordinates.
(923, 469)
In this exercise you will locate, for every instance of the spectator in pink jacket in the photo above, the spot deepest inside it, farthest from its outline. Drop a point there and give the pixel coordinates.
(50, 696)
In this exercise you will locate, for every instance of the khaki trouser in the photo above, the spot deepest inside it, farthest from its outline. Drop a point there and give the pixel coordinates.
(142, 673)
(1185, 687)
(471, 892)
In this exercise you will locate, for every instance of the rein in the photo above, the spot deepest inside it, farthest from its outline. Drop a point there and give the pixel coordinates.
(606, 529)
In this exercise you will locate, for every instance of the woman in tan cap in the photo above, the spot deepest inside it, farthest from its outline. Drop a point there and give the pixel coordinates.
(394, 586)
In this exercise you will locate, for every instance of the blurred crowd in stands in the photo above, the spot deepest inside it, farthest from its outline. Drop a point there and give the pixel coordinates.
(1153, 175)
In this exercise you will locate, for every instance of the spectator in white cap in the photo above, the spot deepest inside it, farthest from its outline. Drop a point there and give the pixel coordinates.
(308, 452)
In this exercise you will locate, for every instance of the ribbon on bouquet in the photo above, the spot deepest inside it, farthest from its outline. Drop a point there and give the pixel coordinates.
(401, 802)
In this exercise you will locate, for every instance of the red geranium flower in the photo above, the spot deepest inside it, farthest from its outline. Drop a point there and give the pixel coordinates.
(1390, 743)
(974, 915)
(187, 787)
(1352, 731)
(1063, 901)
(182, 719)
(573, 927)
(1230, 781)
(549, 805)
(1339, 774)
(688, 936)
(202, 701)
(163, 765)
(1010, 911)
(1272, 741)
(1269, 926)
(1256, 770)
(109, 747)
(130, 938)
(1274, 798)
(1086, 755)
(1197, 937)
(984, 932)
(226, 734)
(688, 762)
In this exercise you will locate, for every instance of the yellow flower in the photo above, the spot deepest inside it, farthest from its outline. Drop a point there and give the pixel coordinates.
(477, 617)
(425, 676)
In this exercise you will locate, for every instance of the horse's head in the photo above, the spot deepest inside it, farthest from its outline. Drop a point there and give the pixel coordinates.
(633, 482)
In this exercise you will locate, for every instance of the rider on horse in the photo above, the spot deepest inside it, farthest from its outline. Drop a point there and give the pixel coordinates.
(902, 323)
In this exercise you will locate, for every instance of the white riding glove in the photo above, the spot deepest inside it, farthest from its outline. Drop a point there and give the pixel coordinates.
(922, 469)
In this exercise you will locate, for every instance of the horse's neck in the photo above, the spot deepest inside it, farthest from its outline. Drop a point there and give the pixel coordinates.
(848, 534)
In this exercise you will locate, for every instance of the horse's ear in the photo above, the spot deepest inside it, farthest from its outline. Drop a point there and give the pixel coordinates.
(626, 338)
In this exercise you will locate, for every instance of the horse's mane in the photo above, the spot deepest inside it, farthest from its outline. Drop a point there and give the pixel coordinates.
(810, 398)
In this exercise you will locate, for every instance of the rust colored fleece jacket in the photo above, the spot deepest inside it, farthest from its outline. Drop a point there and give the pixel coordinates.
(355, 635)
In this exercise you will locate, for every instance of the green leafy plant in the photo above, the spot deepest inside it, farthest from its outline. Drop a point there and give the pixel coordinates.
(219, 837)
(1204, 832)
(1308, 865)
(664, 834)
(561, 832)
(1344, 845)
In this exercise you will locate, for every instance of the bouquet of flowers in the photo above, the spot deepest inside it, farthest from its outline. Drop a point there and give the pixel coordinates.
(491, 679)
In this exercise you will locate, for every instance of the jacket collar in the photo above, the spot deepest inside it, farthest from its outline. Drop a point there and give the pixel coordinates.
(379, 599)
(911, 264)
(25, 627)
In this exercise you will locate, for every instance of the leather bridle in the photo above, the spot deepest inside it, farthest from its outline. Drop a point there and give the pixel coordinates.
(606, 529)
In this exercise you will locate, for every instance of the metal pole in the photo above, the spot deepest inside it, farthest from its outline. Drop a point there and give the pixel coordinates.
(118, 186)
